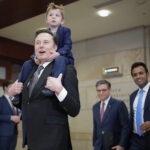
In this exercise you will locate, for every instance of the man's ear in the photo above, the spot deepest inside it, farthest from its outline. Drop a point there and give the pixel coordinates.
(148, 74)
(55, 47)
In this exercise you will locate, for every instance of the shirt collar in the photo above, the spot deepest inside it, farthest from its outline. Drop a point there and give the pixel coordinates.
(106, 101)
(45, 64)
(6, 96)
(146, 87)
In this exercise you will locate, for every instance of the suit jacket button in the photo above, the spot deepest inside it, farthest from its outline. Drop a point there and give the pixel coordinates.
(103, 132)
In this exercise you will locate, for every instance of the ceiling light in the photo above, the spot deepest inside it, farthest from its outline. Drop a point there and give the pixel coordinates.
(104, 12)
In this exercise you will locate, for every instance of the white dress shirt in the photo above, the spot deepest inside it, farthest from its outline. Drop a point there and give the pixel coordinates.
(106, 103)
(146, 88)
(9, 101)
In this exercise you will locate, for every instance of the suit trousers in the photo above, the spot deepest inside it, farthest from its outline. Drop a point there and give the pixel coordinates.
(8, 142)
(140, 142)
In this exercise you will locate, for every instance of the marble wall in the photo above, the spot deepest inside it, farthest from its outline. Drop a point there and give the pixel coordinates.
(119, 49)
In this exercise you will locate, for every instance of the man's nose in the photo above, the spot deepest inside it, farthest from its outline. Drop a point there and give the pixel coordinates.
(101, 92)
(41, 44)
(138, 76)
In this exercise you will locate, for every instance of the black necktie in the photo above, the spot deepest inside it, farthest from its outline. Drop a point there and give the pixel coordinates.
(34, 79)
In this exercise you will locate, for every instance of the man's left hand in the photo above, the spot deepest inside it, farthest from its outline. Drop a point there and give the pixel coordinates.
(54, 84)
(145, 126)
(118, 147)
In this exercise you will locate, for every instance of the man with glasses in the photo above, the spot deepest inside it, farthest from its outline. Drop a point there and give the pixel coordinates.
(110, 118)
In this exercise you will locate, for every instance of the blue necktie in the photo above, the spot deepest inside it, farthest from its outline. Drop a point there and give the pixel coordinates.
(139, 112)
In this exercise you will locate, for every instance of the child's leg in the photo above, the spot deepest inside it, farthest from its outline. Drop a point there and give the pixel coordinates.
(59, 67)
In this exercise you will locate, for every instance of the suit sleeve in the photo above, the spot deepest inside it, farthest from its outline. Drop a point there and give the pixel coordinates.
(94, 129)
(124, 121)
(26, 69)
(67, 44)
(71, 104)
(4, 117)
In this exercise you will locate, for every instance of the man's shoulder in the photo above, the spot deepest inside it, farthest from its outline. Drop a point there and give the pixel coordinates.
(71, 68)
(96, 105)
(117, 101)
(134, 93)
(2, 97)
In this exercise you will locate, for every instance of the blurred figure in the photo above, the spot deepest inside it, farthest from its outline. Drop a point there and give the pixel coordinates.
(111, 122)
(8, 120)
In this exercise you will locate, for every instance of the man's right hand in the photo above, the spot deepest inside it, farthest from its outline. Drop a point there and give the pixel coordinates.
(15, 89)
(15, 119)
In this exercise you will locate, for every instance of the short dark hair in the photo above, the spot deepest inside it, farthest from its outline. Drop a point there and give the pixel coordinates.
(55, 38)
(137, 64)
(103, 82)
(6, 83)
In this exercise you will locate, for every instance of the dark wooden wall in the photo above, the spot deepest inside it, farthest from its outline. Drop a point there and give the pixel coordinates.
(13, 52)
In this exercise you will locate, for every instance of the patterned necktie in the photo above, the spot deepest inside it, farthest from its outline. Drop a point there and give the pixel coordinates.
(139, 112)
(102, 110)
(12, 106)
(13, 109)
(34, 79)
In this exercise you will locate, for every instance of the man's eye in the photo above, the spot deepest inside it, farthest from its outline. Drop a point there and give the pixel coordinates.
(141, 73)
(134, 75)
(37, 43)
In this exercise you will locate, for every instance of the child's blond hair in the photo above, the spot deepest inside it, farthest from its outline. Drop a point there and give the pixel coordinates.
(54, 6)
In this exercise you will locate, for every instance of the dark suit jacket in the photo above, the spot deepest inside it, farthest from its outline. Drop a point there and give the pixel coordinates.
(45, 118)
(65, 43)
(7, 127)
(115, 123)
(146, 108)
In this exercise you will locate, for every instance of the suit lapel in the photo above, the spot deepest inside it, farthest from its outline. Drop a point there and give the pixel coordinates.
(107, 111)
(147, 100)
(133, 98)
(7, 104)
(97, 111)
(27, 82)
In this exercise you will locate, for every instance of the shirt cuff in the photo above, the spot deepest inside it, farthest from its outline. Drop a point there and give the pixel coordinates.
(62, 95)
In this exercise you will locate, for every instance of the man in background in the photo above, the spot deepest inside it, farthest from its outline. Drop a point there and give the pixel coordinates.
(140, 108)
(8, 120)
(111, 123)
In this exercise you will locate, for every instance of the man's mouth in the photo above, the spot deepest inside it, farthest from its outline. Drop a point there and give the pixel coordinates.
(139, 80)
(41, 51)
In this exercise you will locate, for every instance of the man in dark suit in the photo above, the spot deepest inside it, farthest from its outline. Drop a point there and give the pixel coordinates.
(111, 122)
(45, 118)
(8, 120)
(140, 131)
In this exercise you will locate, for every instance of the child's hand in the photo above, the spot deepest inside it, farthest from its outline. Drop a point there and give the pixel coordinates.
(53, 55)
(37, 61)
